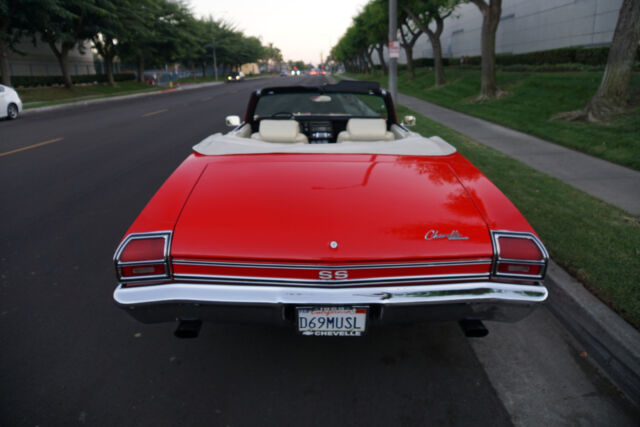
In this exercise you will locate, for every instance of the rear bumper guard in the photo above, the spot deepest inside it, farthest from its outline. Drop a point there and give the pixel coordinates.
(267, 304)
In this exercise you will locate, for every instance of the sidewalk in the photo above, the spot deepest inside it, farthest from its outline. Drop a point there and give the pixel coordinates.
(614, 184)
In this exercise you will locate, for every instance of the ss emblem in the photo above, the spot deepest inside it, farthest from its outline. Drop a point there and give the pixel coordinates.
(333, 275)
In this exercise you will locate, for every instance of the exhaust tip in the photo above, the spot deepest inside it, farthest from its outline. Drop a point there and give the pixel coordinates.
(188, 328)
(473, 328)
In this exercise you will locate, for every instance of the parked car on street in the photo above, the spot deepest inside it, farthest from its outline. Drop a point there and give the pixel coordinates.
(321, 211)
(10, 103)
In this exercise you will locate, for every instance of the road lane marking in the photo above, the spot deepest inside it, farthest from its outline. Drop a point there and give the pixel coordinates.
(155, 112)
(29, 147)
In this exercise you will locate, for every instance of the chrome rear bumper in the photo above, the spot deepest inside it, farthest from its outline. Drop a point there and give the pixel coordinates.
(275, 304)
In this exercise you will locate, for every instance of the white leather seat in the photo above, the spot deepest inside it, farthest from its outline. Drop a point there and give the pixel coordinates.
(366, 130)
(279, 131)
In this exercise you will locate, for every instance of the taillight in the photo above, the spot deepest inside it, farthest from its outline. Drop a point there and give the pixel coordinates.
(143, 256)
(518, 255)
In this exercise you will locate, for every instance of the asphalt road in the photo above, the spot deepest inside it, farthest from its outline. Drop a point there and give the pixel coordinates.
(68, 356)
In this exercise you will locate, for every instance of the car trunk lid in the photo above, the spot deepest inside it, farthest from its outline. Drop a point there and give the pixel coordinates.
(348, 209)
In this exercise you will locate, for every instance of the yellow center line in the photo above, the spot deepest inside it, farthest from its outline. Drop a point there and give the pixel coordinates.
(155, 112)
(29, 147)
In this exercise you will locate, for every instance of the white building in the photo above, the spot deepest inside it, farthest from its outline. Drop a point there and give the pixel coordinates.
(527, 26)
(39, 60)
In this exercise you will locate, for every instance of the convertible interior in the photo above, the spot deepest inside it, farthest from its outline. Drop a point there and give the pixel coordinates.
(321, 132)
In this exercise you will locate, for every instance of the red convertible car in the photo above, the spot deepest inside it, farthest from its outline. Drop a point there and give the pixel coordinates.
(322, 212)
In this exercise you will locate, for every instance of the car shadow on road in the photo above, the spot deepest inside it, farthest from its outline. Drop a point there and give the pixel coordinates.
(248, 375)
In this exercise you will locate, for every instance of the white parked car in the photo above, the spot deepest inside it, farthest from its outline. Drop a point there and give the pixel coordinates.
(10, 103)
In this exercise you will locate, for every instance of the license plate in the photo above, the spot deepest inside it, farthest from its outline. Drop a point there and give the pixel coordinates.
(332, 321)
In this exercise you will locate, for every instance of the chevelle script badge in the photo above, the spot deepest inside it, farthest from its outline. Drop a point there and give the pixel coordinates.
(435, 234)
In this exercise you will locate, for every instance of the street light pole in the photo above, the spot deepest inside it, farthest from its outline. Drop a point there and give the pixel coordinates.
(215, 63)
(393, 60)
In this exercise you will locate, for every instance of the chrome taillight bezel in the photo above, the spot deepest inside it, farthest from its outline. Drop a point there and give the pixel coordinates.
(497, 259)
(166, 235)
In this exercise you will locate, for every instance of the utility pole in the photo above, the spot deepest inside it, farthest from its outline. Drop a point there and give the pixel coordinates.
(393, 41)
(215, 63)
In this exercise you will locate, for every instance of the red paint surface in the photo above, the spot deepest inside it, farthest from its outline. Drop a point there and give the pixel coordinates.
(289, 207)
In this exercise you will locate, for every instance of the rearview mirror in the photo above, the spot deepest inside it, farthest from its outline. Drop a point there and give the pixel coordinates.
(233, 121)
(409, 120)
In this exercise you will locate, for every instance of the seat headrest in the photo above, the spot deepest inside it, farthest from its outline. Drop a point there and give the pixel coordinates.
(279, 130)
(367, 129)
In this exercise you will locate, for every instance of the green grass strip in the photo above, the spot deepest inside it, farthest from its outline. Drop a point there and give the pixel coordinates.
(596, 242)
(45, 96)
(531, 100)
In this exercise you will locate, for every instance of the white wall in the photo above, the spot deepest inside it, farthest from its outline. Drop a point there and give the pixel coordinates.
(39, 60)
(527, 26)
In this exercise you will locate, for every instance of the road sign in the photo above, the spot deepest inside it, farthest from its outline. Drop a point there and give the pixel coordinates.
(394, 49)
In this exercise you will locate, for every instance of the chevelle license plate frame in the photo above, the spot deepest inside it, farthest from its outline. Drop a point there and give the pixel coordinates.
(332, 321)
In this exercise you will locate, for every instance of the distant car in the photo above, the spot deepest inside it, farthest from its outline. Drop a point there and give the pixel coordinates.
(283, 74)
(313, 72)
(10, 103)
(322, 212)
(235, 77)
(295, 72)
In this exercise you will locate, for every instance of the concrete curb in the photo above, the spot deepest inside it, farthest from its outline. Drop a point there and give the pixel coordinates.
(608, 340)
(81, 104)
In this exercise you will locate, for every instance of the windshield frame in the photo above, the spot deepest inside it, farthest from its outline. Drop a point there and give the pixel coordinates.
(348, 87)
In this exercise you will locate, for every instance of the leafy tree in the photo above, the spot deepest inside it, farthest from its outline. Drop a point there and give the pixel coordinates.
(14, 15)
(374, 22)
(409, 35)
(490, 19)
(65, 25)
(425, 12)
(108, 26)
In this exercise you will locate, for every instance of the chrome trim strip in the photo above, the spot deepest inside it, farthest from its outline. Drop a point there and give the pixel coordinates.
(496, 234)
(166, 235)
(275, 295)
(318, 282)
(479, 261)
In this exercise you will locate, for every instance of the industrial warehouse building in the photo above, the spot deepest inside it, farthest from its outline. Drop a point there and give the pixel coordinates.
(39, 60)
(527, 26)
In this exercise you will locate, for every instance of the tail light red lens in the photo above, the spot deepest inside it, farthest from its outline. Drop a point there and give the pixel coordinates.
(519, 255)
(143, 256)
(143, 249)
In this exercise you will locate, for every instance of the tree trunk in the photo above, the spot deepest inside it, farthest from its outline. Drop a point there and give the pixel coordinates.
(108, 62)
(141, 68)
(204, 70)
(490, 20)
(365, 64)
(369, 52)
(65, 69)
(407, 45)
(4, 62)
(62, 56)
(434, 38)
(408, 51)
(438, 66)
(613, 93)
(380, 49)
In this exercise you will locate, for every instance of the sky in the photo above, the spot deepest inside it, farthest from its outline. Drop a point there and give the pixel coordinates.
(301, 29)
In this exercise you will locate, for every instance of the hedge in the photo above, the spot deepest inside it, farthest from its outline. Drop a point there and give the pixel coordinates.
(565, 55)
(31, 81)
